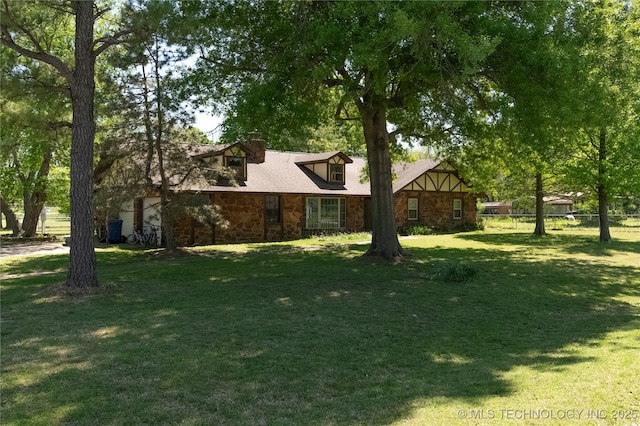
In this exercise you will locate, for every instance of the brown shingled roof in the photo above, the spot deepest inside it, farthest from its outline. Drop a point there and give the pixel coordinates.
(281, 173)
(285, 173)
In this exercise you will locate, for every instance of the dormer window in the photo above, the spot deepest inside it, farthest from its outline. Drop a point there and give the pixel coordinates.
(336, 173)
(236, 160)
(237, 165)
(328, 166)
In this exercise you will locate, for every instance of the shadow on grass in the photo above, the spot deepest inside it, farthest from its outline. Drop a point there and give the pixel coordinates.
(283, 336)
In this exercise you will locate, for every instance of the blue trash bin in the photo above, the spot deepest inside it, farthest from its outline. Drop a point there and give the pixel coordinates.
(114, 231)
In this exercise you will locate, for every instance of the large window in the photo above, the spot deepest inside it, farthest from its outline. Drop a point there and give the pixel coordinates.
(326, 213)
(457, 208)
(272, 209)
(412, 207)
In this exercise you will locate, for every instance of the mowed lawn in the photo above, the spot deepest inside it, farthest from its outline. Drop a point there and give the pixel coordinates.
(546, 332)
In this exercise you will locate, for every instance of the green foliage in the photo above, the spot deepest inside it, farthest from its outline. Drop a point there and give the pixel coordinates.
(419, 230)
(454, 273)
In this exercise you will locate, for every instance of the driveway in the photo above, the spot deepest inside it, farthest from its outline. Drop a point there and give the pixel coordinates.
(24, 249)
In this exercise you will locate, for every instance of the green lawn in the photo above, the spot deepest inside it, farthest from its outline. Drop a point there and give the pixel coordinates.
(546, 332)
(56, 223)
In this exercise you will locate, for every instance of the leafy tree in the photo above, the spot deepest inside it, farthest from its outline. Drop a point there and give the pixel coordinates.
(400, 68)
(524, 134)
(35, 129)
(23, 31)
(146, 133)
(606, 103)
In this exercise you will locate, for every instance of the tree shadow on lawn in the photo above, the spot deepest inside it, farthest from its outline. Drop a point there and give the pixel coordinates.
(309, 337)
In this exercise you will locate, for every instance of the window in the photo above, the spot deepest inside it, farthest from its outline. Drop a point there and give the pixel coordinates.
(457, 208)
(326, 213)
(237, 165)
(336, 173)
(413, 208)
(272, 209)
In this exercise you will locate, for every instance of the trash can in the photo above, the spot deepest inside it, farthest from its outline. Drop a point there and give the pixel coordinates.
(114, 231)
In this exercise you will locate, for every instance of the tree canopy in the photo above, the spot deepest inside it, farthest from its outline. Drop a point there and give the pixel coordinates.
(399, 68)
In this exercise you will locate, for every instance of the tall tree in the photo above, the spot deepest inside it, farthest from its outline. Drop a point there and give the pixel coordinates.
(394, 63)
(22, 31)
(34, 127)
(148, 128)
(606, 103)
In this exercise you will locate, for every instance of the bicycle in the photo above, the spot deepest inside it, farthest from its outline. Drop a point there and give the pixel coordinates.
(143, 238)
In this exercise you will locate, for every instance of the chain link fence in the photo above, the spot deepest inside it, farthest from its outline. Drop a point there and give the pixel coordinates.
(620, 222)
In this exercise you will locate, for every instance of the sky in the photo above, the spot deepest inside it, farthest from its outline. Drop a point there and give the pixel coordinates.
(209, 124)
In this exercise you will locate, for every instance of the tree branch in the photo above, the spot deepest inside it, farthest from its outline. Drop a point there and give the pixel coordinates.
(111, 40)
(40, 55)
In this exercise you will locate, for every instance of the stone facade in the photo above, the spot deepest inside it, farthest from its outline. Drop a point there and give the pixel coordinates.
(246, 216)
(435, 209)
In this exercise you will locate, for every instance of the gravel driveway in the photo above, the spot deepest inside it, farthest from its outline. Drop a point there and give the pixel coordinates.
(23, 249)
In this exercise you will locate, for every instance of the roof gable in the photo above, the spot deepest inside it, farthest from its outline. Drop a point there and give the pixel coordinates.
(428, 175)
(323, 157)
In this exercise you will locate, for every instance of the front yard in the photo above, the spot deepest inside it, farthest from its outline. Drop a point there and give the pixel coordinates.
(545, 331)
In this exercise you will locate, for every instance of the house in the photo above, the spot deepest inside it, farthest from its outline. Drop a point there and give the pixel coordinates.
(497, 207)
(288, 195)
(558, 206)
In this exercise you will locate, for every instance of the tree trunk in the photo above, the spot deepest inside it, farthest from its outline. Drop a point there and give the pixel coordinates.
(12, 220)
(539, 207)
(603, 211)
(384, 239)
(82, 272)
(32, 209)
(35, 196)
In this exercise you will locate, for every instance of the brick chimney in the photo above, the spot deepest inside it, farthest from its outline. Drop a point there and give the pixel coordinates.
(255, 148)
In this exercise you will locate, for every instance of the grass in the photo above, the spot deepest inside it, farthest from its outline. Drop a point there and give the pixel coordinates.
(308, 333)
(56, 224)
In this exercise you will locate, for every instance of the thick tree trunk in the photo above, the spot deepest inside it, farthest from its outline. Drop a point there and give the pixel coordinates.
(539, 207)
(32, 209)
(82, 272)
(603, 210)
(35, 197)
(384, 240)
(12, 220)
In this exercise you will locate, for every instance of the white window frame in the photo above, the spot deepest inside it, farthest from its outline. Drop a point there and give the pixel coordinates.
(457, 208)
(336, 173)
(412, 208)
(320, 220)
(277, 218)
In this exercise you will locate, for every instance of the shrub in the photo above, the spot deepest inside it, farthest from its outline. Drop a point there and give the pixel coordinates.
(419, 230)
(455, 273)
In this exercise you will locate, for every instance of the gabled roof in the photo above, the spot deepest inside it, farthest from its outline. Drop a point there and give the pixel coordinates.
(408, 172)
(321, 157)
(286, 173)
(207, 150)
(282, 173)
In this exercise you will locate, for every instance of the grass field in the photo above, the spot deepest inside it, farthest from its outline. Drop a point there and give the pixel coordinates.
(545, 331)
(56, 223)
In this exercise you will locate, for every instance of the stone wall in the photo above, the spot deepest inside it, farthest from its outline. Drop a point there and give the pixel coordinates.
(435, 209)
(246, 216)
(355, 214)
